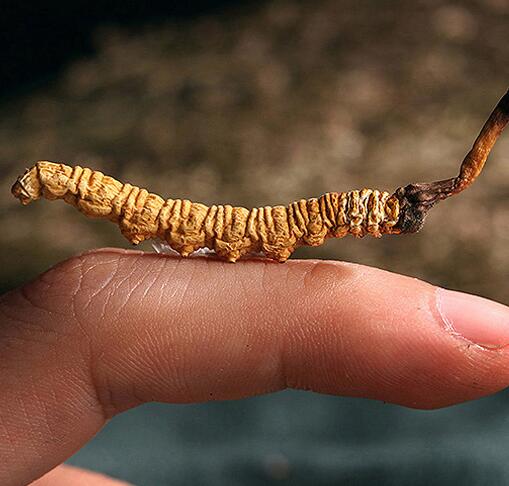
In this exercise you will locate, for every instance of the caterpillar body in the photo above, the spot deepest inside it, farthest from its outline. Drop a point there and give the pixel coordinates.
(233, 232)
(229, 231)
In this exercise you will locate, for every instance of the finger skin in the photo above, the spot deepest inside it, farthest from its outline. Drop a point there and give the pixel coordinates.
(111, 329)
(65, 475)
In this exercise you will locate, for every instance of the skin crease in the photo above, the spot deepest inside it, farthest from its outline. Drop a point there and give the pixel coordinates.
(110, 329)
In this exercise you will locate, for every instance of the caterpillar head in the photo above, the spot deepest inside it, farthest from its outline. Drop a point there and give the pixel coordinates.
(28, 187)
(47, 179)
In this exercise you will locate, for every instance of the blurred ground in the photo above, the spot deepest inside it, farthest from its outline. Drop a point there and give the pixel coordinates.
(263, 105)
(301, 439)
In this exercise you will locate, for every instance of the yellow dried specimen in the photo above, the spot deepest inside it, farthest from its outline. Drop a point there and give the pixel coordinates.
(229, 231)
(274, 231)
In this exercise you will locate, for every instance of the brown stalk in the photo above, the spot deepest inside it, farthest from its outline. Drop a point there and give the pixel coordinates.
(417, 199)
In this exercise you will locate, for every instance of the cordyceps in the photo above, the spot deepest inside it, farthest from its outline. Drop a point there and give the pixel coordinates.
(275, 231)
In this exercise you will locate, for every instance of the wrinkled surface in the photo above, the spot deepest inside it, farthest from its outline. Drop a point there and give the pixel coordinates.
(189, 226)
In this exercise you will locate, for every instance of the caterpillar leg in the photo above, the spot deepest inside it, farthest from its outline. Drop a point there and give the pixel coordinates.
(282, 255)
(278, 253)
(232, 250)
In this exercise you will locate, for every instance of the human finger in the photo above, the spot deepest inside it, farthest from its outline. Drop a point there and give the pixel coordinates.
(111, 329)
(65, 475)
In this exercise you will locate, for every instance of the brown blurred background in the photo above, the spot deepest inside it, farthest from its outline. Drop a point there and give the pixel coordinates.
(263, 103)
(272, 103)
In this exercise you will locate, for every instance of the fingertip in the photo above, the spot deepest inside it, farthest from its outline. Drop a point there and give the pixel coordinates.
(479, 321)
(381, 335)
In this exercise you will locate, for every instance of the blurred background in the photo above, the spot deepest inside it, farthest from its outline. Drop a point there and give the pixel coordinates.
(256, 103)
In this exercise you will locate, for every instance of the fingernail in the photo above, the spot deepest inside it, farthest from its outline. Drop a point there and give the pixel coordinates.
(480, 321)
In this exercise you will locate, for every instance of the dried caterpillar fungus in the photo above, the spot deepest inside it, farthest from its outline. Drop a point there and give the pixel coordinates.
(230, 231)
(236, 231)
